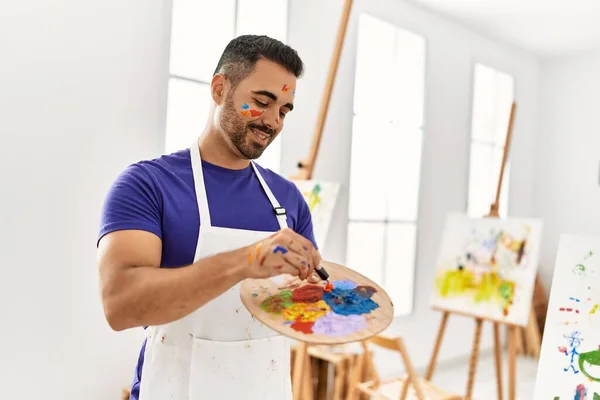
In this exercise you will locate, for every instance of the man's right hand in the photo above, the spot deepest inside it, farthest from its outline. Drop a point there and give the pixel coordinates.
(284, 252)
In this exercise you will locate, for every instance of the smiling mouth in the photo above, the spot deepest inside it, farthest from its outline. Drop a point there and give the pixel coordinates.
(260, 135)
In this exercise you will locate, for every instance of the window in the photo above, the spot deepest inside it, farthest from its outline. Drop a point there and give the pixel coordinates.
(197, 40)
(386, 157)
(493, 95)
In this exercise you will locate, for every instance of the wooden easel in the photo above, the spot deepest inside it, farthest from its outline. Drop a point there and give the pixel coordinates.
(305, 172)
(512, 329)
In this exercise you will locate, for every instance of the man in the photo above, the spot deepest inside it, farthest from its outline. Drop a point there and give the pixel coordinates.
(180, 232)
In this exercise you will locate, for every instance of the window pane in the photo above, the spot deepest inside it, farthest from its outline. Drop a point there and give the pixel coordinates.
(482, 183)
(404, 158)
(483, 104)
(372, 63)
(200, 31)
(367, 169)
(187, 111)
(400, 266)
(262, 17)
(409, 74)
(364, 251)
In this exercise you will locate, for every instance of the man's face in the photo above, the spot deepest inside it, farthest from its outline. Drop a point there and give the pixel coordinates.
(252, 115)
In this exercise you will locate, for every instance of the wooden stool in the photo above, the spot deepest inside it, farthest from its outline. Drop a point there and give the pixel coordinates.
(409, 386)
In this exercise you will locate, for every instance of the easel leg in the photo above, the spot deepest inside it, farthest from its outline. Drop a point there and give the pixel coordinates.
(299, 366)
(436, 348)
(498, 356)
(512, 361)
(474, 359)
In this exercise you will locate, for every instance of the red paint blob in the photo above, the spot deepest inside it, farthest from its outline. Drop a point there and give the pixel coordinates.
(307, 294)
(256, 113)
(328, 287)
(304, 327)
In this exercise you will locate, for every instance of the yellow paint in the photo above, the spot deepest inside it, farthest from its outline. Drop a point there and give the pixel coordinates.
(307, 312)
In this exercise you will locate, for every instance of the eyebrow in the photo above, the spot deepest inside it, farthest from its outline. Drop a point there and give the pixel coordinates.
(272, 97)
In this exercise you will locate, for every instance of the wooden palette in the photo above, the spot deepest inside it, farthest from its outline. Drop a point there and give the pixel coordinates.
(356, 309)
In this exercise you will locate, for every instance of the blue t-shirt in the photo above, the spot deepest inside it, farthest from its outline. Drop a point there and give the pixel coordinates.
(158, 196)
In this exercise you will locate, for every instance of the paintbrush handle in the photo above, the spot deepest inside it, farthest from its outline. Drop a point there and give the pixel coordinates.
(322, 273)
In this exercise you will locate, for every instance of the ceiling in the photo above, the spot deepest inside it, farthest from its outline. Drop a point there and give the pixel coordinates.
(546, 27)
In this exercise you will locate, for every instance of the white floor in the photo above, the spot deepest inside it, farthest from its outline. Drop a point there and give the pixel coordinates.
(454, 378)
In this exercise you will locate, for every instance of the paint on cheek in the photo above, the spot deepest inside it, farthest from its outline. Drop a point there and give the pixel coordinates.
(245, 113)
(245, 108)
(256, 113)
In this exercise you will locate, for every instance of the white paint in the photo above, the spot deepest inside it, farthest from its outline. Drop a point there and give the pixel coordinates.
(451, 53)
(566, 189)
(546, 27)
(83, 95)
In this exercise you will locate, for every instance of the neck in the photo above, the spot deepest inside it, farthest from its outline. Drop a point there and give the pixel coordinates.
(216, 150)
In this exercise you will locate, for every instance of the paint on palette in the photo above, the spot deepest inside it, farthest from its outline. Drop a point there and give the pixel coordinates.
(311, 309)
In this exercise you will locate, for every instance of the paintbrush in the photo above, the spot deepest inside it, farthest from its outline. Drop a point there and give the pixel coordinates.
(323, 274)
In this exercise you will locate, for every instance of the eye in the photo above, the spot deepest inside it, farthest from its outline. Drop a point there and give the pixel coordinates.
(260, 103)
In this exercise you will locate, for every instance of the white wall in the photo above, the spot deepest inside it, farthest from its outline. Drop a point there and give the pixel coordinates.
(82, 95)
(451, 53)
(568, 157)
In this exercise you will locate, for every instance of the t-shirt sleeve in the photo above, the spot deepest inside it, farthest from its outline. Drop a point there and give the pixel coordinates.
(305, 224)
(132, 202)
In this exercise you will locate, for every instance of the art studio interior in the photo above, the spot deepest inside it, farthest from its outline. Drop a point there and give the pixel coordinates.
(439, 162)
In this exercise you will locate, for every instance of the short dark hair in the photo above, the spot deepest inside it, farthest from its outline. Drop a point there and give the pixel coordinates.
(241, 54)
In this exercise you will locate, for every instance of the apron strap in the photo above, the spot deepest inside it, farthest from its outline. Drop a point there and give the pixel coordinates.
(280, 212)
(199, 185)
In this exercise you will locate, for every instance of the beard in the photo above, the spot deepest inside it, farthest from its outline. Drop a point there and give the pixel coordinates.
(239, 132)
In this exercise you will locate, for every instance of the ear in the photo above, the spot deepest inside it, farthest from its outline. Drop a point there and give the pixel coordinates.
(218, 88)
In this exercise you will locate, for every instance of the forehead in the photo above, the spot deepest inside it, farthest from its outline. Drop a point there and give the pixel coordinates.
(268, 75)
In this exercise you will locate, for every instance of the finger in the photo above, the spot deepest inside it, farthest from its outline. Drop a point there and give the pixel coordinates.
(285, 268)
(313, 256)
(313, 278)
(299, 262)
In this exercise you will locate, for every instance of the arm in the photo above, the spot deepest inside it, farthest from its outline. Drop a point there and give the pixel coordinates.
(136, 292)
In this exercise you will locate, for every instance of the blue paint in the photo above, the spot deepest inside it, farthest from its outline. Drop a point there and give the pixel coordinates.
(348, 302)
(245, 106)
(574, 299)
(344, 284)
(279, 249)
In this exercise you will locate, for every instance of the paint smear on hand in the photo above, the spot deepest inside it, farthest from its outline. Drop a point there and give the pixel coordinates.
(348, 302)
(277, 303)
(306, 312)
(307, 294)
(339, 325)
(279, 249)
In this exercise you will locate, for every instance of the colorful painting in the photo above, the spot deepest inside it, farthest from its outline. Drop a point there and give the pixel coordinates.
(569, 366)
(487, 267)
(337, 309)
(321, 198)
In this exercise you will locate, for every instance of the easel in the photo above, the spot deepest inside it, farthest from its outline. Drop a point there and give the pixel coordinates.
(300, 383)
(512, 329)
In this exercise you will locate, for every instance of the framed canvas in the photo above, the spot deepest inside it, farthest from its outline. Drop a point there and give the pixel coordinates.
(321, 198)
(487, 267)
(569, 366)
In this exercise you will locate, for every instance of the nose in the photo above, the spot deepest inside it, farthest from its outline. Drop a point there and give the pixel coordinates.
(271, 119)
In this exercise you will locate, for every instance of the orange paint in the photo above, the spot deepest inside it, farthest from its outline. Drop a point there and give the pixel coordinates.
(285, 88)
(245, 113)
(328, 287)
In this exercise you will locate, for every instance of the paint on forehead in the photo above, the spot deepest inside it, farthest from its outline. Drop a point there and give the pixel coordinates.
(285, 88)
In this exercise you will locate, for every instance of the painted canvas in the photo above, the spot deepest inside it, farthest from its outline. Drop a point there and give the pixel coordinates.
(569, 366)
(321, 198)
(487, 267)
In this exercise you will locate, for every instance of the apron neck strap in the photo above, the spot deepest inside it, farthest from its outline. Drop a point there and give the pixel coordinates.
(202, 199)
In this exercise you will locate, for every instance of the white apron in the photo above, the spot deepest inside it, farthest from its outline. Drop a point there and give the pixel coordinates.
(218, 352)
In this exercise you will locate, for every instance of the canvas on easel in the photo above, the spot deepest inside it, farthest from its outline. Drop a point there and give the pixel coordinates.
(569, 366)
(321, 198)
(487, 268)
